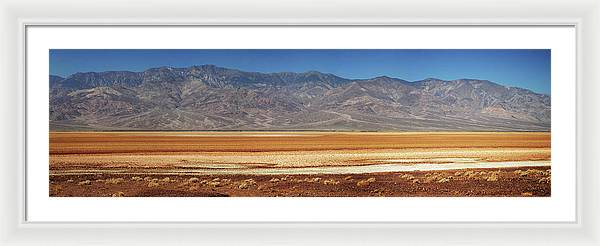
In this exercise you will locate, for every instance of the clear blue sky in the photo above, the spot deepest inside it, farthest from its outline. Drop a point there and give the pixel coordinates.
(528, 69)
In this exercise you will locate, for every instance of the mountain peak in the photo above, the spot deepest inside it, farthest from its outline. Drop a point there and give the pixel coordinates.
(433, 80)
(208, 97)
(467, 80)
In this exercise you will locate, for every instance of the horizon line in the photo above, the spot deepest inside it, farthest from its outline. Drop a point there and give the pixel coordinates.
(308, 71)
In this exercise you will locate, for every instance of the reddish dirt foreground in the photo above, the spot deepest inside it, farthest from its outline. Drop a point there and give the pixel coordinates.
(532, 181)
(238, 164)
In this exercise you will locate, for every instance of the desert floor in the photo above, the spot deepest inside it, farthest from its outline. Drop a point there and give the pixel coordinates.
(311, 164)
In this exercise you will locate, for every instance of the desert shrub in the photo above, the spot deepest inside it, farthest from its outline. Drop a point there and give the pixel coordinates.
(544, 180)
(247, 183)
(189, 181)
(153, 184)
(378, 192)
(492, 178)
(443, 180)
(118, 194)
(136, 178)
(407, 176)
(312, 180)
(114, 180)
(218, 182)
(365, 182)
(470, 174)
(331, 182)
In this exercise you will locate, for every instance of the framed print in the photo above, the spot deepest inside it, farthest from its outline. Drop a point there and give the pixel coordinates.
(322, 129)
(217, 124)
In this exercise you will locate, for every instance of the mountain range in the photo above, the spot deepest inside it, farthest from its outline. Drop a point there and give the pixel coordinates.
(208, 97)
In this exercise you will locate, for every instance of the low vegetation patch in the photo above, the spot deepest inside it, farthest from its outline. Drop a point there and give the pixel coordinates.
(365, 182)
(544, 180)
(247, 183)
(118, 194)
(153, 183)
(493, 177)
(114, 180)
(443, 180)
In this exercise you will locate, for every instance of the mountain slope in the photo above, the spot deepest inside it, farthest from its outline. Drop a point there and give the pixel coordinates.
(213, 98)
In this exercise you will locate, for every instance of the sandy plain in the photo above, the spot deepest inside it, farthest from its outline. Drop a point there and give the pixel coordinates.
(299, 164)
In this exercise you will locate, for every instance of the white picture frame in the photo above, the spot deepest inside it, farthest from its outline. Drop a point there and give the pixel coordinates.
(17, 15)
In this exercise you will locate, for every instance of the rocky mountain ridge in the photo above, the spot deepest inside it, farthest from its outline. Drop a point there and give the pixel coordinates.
(208, 97)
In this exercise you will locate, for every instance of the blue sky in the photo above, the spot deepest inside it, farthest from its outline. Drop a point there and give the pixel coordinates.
(524, 68)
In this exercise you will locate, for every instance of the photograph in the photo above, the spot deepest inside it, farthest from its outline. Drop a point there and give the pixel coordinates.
(299, 122)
